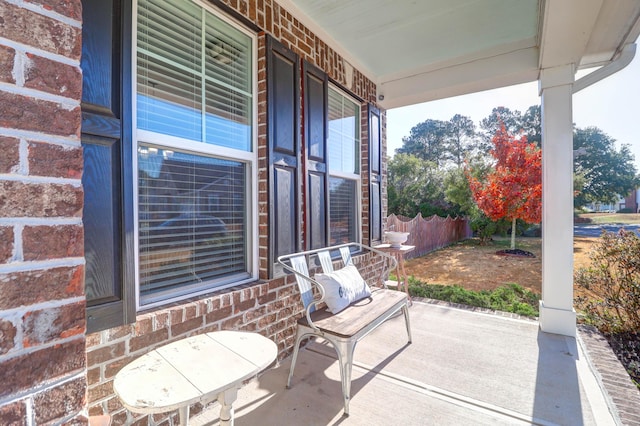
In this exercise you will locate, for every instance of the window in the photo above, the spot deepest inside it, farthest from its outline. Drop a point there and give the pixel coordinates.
(344, 168)
(195, 83)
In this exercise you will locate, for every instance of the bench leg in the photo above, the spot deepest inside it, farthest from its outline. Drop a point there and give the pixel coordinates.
(405, 310)
(299, 337)
(345, 358)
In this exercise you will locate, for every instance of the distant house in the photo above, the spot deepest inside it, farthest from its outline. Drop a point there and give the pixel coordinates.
(607, 207)
(632, 201)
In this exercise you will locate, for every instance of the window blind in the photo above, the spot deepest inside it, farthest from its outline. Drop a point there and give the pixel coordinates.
(191, 221)
(342, 215)
(344, 157)
(194, 75)
(344, 134)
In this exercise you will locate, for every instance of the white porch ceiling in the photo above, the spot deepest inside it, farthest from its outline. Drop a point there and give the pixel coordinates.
(421, 50)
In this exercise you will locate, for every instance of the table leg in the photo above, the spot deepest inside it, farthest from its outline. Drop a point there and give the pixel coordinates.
(403, 273)
(226, 399)
(183, 413)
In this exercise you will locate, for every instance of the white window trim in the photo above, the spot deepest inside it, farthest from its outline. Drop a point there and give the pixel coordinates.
(250, 158)
(350, 176)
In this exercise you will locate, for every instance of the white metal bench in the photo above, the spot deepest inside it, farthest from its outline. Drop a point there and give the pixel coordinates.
(345, 328)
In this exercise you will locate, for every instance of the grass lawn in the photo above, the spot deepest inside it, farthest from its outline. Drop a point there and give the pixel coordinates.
(602, 218)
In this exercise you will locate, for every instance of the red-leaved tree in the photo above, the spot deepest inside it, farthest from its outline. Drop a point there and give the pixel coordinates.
(513, 190)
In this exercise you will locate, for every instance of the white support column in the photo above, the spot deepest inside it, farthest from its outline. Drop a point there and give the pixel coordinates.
(556, 307)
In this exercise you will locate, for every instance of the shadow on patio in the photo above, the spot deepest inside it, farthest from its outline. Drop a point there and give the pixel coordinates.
(463, 368)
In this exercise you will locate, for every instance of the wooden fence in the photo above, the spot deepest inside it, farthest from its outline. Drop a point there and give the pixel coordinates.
(430, 234)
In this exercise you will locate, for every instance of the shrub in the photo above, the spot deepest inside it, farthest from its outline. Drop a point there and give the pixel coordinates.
(508, 298)
(483, 227)
(611, 284)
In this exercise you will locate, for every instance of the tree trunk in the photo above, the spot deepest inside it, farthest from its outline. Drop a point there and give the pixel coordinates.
(513, 233)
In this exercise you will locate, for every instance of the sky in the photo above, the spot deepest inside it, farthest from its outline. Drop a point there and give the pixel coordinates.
(612, 104)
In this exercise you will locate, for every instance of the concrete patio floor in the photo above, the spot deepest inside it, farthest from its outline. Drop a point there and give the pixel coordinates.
(463, 368)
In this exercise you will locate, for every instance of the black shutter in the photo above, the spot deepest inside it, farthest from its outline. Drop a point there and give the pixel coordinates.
(283, 96)
(315, 123)
(107, 176)
(375, 175)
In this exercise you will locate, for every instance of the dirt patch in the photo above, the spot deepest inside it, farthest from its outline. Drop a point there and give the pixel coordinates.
(477, 267)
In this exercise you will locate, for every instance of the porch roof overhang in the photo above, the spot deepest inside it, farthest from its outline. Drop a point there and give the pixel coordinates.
(422, 50)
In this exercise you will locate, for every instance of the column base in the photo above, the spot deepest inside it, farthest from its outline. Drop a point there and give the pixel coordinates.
(557, 321)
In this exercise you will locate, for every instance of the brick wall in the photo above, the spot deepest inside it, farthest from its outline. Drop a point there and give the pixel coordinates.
(42, 304)
(270, 307)
(50, 371)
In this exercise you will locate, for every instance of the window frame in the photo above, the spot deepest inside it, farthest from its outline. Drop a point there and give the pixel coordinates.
(248, 158)
(355, 177)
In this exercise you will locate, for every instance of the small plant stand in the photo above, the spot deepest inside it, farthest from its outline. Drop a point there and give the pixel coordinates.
(401, 273)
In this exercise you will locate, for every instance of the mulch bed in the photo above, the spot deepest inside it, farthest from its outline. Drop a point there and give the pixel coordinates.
(515, 252)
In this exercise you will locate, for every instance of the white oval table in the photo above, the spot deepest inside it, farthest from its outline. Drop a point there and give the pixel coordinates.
(191, 370)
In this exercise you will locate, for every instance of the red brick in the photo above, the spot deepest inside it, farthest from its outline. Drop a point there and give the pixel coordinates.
(244, 306)
(190, 325)
(10, 148)
(218, 314)
(161, 320)
(148, 340)
(99, 392)
(118, 332)
(269, 297)
(59, 402)
(54, 323)
(144, 421)
(93, 339)
(13, 414)
(96, 410)
(6, 243)
(106, 353)
(7, 56)
(144, 325)
(7, 336)
(53, 77)
(55, 160)
(52, 242)
(114, 404)
(112, 368)
(27, 113)
(33, 29)
(27, 288)
(190, 311)
(118, 419)
(79, 420)
(93, 376)
(21, 372)
(19, 199)
(70, 8)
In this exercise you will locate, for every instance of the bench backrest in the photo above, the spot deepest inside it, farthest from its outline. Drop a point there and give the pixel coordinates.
(300, 263)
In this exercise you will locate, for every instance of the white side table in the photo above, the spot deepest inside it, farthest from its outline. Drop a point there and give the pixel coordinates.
(399, 252)
(194, 369)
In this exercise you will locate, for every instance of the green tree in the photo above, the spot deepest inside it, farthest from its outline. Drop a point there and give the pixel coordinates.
(460, 138)
(427, 141)
(606, 172)
(500, 116)
(532, 124)
(415, 185)
(457, 191)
